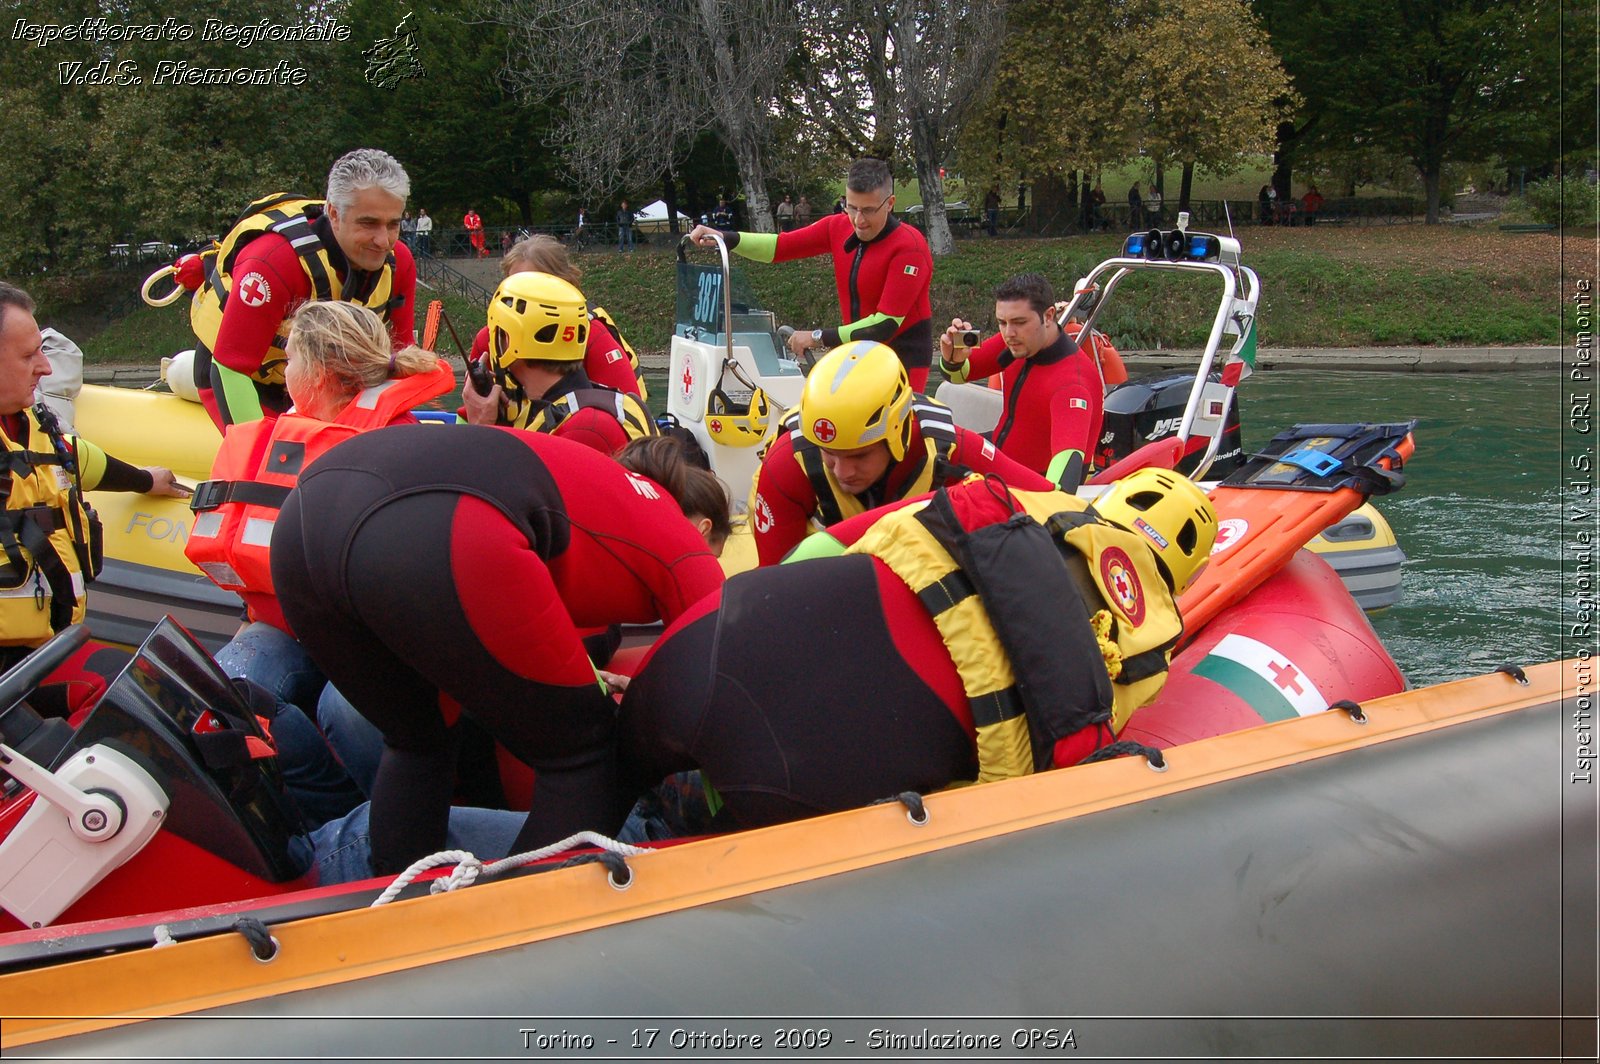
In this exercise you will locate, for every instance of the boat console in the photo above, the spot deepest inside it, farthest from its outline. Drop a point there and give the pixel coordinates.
(167, 790)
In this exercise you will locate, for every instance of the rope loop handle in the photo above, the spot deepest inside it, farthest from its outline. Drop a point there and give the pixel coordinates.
(1515, 672)
(916, 809)
(262, 945)
(178, 291)
(1353, 709)
(1154, 758)
(470, 869)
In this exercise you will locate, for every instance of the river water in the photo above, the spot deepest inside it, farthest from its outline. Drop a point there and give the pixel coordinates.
(1479, 516)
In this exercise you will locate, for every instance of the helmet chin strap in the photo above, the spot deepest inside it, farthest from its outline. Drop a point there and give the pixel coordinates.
(509, 384)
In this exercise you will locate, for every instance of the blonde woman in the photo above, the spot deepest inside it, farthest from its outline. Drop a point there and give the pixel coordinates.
(344, 378)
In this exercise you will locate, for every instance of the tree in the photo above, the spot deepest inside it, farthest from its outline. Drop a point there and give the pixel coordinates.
(1085, 83)
(467, 138)
(844, 90)
(45, 186)
(881, 76)
(1210, 89)
(670, 69)
(1435, 80)
(103, 144)
(947, 54)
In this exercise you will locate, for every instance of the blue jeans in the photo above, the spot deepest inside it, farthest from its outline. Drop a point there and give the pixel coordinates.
(343, 847)
(270, 657)
(679, 807)
(319, 785)
(625, 238)
(356, 740)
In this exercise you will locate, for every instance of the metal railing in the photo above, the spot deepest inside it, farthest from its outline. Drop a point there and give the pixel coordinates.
(447, 279)
(1209, 214)
(456, 243)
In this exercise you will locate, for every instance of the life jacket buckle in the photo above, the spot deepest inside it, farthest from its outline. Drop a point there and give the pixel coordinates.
(208, 495)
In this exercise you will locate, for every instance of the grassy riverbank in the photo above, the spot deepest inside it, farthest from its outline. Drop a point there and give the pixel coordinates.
(1323, 287)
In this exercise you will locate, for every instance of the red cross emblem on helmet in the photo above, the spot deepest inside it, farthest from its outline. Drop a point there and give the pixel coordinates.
(823, 430)
(714, 425)
(1117, 572)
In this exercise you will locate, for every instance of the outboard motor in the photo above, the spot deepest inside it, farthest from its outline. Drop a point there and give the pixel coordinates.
(1151, 408)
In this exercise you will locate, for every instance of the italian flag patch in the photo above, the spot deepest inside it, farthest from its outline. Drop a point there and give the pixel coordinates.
(911, 271)
(1266, 679)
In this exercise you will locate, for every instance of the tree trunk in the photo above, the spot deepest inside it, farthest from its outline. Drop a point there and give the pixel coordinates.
(1051, 208)
(741, 125)
(1161, 181)
(691, 197)
(1186, 186)
(1283, 159)
(940, 241)
(669, 196)
(1430, 185)
(753, 176)
(1281, 182)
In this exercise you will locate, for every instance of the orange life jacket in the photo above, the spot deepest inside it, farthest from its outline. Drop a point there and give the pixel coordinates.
(257, 466)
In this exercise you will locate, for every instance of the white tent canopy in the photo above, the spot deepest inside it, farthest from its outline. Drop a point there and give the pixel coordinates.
(654, 215)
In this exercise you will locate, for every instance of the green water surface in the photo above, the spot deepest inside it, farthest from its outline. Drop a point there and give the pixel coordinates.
(1479, 517)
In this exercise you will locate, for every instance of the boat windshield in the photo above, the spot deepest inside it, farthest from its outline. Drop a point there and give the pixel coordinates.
(699, 317)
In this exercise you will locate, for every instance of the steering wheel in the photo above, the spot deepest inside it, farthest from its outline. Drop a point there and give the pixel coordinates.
(21, 679)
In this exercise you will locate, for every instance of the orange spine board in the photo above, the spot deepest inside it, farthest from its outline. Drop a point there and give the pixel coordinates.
(1277, 522)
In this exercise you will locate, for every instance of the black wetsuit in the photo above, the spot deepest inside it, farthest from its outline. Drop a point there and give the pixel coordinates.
(434, 572)
(811, 687)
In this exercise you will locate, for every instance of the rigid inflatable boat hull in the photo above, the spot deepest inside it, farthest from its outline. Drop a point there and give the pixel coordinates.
(1427, 863)
(1296, 645)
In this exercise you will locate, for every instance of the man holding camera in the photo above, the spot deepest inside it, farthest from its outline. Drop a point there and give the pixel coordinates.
(1053, 395)
(881, 268)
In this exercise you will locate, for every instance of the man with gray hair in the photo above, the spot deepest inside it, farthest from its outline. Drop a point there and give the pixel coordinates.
(287, 249)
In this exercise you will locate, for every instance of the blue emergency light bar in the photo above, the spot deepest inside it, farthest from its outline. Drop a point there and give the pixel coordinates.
(1173, 246)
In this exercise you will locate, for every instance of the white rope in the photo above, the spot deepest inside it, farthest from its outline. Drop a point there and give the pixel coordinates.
(469, 867)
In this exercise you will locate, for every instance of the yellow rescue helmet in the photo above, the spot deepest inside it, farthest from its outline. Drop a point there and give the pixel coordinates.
(1173, 515)
(856, 395)
(537, 316)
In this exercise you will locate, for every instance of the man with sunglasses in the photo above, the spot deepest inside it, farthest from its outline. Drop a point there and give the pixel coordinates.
(882, 269)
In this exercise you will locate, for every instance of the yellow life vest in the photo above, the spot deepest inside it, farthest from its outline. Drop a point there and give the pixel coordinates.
(601, 315)
(49, 535)
(291, 217)
(933, 467)
(1092, 572)
(544, 416)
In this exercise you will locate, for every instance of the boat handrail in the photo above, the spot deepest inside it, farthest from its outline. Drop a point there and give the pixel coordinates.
(1121, 267)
